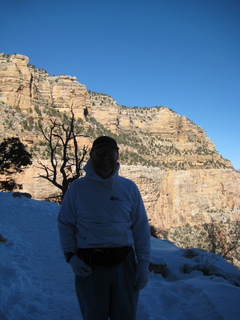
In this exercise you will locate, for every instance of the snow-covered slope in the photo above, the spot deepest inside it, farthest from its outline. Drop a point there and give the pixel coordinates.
(37, 284)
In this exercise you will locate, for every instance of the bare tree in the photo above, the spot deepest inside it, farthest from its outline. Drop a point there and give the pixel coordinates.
(66, 159)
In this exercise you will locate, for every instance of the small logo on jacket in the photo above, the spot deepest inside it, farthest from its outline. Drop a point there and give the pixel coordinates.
(115, 198)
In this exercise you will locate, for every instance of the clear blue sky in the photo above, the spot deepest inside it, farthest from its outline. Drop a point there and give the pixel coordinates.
(182, 54)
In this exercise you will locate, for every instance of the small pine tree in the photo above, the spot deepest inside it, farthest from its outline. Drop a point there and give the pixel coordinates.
(13, 157)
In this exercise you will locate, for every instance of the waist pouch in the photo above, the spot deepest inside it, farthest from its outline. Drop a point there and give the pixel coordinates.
(104, 256)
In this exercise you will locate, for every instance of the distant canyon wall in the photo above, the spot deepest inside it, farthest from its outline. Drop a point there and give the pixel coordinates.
(172, 198)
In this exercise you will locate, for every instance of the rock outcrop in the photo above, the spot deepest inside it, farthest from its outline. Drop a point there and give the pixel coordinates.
(24, 86)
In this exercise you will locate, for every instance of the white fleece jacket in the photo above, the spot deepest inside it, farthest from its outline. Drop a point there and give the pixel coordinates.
(104, 213)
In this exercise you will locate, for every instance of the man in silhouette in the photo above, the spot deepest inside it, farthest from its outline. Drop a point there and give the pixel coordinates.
(105, 236)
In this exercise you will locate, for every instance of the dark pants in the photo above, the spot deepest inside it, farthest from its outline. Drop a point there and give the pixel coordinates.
(109, 292)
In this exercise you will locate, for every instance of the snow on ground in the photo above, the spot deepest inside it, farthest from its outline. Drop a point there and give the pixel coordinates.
(37, 284)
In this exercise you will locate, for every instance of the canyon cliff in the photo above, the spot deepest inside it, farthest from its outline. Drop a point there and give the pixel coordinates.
(181, 176)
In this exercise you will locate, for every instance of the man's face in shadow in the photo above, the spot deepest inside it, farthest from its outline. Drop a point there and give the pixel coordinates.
(104, 160)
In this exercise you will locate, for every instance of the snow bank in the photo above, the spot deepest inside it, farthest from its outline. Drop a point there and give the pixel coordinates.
(37, 283)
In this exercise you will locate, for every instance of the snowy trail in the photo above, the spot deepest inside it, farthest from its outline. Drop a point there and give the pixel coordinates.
(37, 284)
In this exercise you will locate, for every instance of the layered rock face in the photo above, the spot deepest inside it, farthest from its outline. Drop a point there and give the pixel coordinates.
(175, 198)
(204, 191)
(24, 86)
(105, 110)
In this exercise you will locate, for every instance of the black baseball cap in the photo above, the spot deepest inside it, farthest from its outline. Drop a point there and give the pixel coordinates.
(105, 141)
